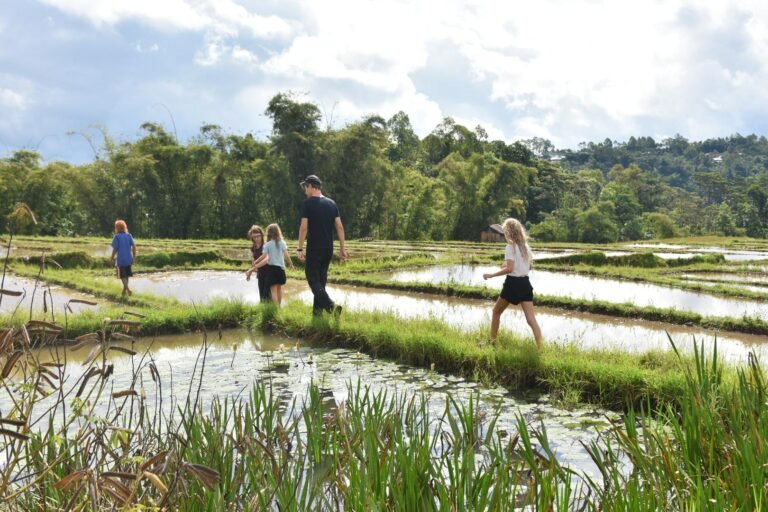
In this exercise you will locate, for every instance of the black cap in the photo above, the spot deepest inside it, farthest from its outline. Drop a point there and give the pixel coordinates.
(312, 180)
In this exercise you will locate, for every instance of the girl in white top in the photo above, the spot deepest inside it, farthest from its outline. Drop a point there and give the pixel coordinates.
(517, 287)
(274, 255)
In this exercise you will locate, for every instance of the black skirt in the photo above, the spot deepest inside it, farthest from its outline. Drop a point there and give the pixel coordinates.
(517, 290)
(275, 275)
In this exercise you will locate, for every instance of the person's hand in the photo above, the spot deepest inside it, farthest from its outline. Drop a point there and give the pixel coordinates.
(343, 255)
(301, 256)
(247, 275)
(487, 276)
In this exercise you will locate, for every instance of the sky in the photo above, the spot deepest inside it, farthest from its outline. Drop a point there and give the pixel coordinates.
(569, 71)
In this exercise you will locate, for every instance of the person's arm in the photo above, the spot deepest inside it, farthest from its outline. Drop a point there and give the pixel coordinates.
(114, 251)
(260, 262)
(287, 256)
(342, 240)
(302, 236)
(133, 252)
(508, 268)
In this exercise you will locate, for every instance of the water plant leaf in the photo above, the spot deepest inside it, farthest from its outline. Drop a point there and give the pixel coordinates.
(10, 293)
(152, 461)
(93, 371)
(15, 423)
(39, 324)
(70, 479)
(10, 363)
(207, 476)
(123, 350)
(6, 338)
(125, 392)
(117, 491)
(119, 474)
(14, 434)
(120, 336)
(131, 313)
(92, 354)
(82, 301)
(155, 480)
(25, 334)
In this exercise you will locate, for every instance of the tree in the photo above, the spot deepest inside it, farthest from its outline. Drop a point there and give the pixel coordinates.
(595, 225)
(295, 135)
(658, 225)
(404, 141)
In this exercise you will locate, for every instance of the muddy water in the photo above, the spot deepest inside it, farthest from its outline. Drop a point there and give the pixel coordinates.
(239, 359)
(557, 326)
(593, 288)
(41, 299)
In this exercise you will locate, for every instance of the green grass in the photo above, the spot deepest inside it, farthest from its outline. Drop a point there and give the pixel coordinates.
(704, 448)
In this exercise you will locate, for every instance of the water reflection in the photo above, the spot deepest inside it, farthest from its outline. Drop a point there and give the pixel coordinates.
(237, 360)
(593, 288)
(729, 254)
(200, 286)
(42, 298)
(739, 278)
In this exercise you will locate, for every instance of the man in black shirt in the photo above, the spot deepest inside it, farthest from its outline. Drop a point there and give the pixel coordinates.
(319, 218)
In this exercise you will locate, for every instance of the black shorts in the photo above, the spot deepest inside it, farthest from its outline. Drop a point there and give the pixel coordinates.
(517, 290)
(275, 275)
(125, 272)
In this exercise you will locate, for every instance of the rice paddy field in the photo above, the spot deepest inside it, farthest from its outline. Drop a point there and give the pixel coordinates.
(190, 395)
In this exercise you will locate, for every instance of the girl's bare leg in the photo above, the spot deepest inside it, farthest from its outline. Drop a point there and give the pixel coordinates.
(277, 293)
(498, 309)
(530, 317)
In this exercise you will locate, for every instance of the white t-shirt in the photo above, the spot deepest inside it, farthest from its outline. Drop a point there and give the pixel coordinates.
(522, 267)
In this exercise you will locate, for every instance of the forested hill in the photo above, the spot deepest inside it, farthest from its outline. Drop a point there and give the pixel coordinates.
(389, 183)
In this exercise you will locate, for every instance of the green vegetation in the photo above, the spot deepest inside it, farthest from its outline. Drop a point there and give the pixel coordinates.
(391, 184)
(704, 447)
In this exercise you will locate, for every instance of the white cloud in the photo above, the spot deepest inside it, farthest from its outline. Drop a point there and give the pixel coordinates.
(216, 15)
(215, 47)
(165, 14)
(244, 56)
(152, 48)
(567, 70)
(12, 99)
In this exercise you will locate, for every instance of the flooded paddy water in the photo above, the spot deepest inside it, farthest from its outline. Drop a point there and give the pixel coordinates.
(593, 288)
(558, 326)
(44, 298)
(239, 359)
(692, 250)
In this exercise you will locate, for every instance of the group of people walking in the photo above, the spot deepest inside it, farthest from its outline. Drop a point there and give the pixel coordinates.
(320, 220)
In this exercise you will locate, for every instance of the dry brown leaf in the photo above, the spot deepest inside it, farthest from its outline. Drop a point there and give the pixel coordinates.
(71, 479)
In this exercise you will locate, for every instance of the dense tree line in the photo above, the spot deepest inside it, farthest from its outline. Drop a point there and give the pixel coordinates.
(389, 183)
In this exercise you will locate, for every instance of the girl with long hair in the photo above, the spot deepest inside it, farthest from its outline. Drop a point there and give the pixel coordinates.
(256, 235)
(275, 254)
(517, 287)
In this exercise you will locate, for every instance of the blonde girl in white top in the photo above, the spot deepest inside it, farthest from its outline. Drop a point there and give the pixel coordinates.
(517, 287)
